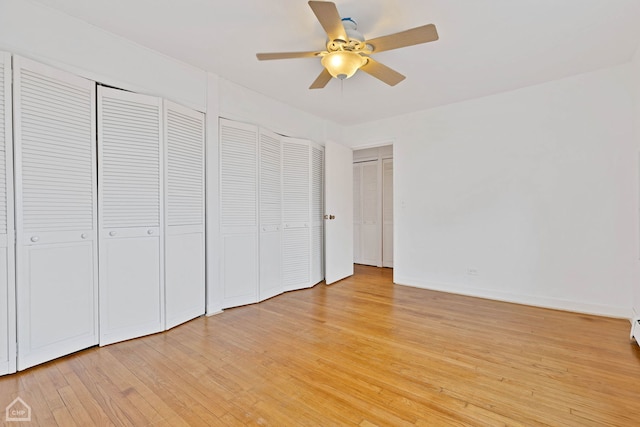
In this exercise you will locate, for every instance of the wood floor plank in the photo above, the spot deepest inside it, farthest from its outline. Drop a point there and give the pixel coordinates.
(359, 352)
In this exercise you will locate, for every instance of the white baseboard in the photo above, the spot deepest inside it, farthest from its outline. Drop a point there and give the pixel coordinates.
(553, 303)
(635, 329)
(212, 311)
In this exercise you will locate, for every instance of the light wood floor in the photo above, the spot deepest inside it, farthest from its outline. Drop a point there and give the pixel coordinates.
(360, 352)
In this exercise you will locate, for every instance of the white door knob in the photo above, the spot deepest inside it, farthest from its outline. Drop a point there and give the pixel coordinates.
(84, 235)
(35, 239)
(149, 232)
(112, 233)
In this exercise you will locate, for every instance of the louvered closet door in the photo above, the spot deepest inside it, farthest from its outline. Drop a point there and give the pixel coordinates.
(238, 213)
(270, 160)
(130, 200)
(387, 213)
(7, 260)
(184, 214)
(296, 200)
(56, 247)
(357, 212)
(317, 213)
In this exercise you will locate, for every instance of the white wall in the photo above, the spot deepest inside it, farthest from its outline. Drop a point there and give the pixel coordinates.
(242, 104)
(214, 290)
(528, 196)
(636, 82)
(51, 37)
(377, 153)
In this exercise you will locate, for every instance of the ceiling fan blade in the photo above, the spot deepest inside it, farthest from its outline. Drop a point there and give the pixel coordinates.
(321, 81)
(426, 33)
(286, 55)
(382, 72)
(329, 18)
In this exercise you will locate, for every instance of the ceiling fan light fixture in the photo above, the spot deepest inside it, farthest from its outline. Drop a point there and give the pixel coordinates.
(343, 64)
(347, 50)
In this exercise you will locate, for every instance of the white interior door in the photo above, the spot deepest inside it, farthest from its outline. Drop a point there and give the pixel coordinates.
(238, 213)
(7, 254)
(131, 215)
(338, 212)
(184, 210)
(270, 215)
(56, 238)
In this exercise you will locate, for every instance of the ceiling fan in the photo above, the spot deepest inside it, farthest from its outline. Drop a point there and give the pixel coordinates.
(348, 51)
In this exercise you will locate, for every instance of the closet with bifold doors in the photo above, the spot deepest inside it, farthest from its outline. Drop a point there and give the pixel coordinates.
(271, 210)
(151, 214)
(109, 214)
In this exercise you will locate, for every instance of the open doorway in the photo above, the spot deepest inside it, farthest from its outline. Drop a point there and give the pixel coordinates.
(373, 206)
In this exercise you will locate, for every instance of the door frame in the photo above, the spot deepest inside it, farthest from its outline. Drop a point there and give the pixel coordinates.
(380, 159)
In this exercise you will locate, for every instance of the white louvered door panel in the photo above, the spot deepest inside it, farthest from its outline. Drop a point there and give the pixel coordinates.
(270, 188)
(370, 249)
(56, 247)
(357, 212)
(296, 202)
(238, 213)
(387, 213)
(317, 213)
(184, 210)
(7, 248)
(131, 216)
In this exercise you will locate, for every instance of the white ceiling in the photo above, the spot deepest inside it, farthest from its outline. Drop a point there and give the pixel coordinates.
(485, 46)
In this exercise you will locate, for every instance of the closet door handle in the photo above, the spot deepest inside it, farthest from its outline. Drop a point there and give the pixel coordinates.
(112, 233)
(149, 232)
(35, 239)
(84, 235)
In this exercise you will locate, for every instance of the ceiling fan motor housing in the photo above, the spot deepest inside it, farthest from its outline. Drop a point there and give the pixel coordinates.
(351, 28)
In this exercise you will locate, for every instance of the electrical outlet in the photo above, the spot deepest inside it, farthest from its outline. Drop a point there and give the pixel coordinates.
(472, 271)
